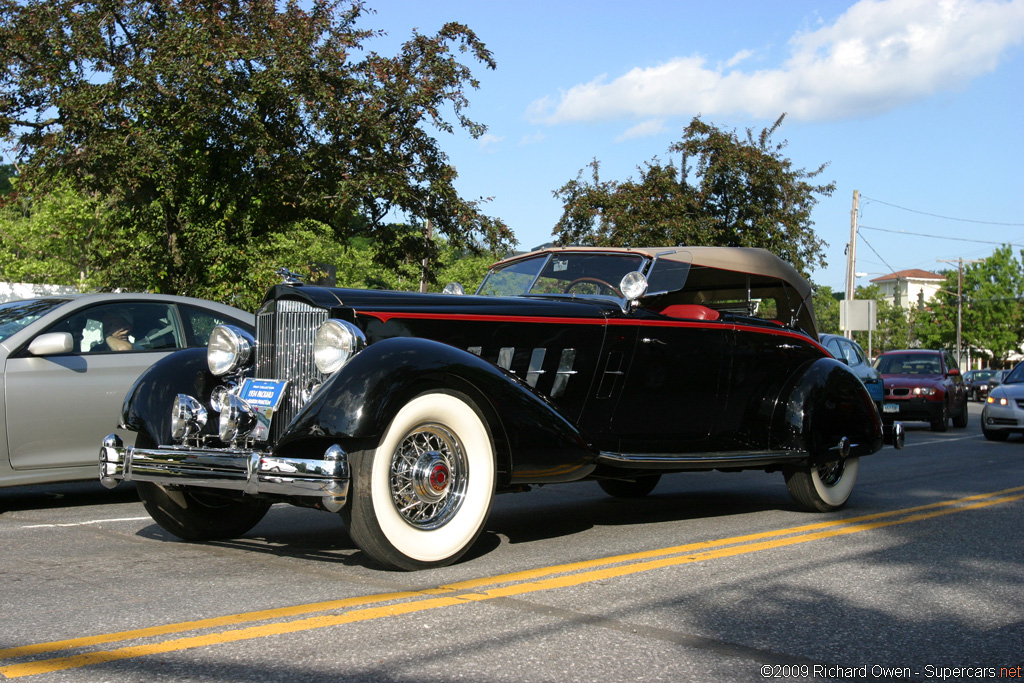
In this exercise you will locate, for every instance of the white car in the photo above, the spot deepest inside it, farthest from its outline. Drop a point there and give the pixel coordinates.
(1003, 413)
(65, 381)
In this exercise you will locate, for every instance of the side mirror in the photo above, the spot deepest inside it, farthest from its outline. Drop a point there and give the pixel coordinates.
(954, 372)
(454, 288)
(52, 343)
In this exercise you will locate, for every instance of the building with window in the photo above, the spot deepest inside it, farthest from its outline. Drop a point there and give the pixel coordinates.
(906, 287)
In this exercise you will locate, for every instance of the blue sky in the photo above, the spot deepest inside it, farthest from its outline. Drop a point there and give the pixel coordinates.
(917, 104)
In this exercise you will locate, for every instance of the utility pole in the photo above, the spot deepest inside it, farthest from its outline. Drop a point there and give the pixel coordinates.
(959, 303)
(851, 263)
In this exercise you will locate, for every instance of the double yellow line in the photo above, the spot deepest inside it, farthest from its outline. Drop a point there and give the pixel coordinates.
(272, 622)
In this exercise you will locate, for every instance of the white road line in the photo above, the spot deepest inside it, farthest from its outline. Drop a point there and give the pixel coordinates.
(94, 521)
(940, 440)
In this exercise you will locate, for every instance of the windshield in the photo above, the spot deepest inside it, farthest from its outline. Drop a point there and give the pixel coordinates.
(909, 364)
(1016, 375)
(17, 315)
(571, 273)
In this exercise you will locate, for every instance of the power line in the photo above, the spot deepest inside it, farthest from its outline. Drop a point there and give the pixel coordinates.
(947, 218)
(891, 269)
(942, 237)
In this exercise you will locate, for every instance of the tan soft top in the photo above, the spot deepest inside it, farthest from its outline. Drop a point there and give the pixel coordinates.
(739, 259)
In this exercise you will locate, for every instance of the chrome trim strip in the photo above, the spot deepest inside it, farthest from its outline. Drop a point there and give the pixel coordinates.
(698, 460)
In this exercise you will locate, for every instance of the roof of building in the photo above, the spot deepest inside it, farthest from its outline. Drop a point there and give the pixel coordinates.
(912, 274)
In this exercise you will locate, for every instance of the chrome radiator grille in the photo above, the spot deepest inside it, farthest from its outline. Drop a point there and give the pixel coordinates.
(284, 350)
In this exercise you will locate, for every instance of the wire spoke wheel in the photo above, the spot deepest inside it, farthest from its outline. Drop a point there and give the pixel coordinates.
(429, 473)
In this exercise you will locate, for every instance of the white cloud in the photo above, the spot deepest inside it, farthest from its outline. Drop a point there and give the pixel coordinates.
(642, 130)
(534, 138)
(878, 55)
(489, 142)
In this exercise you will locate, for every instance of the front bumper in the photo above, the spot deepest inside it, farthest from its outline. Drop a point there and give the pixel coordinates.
(1003, 418)
(322, 482)
(911, 409)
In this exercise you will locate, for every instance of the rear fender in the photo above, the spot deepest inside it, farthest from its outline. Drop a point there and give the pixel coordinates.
(824, 403)
(533, 442)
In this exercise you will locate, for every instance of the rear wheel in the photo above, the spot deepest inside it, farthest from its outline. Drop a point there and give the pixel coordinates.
(195, 514)
(825, 487)
(637, 488)
(422, 497)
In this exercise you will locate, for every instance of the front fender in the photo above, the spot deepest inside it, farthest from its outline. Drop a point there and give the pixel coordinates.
(147, 405)
(823, 403)
(534, 443)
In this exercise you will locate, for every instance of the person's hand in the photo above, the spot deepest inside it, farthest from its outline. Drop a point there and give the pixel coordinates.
(117, 340)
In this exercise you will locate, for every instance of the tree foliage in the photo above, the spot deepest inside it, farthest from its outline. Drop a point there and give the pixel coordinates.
(211, 126)
(743, 193)
(992, 314)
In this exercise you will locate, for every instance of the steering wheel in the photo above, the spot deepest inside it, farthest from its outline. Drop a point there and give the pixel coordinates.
(602, 285)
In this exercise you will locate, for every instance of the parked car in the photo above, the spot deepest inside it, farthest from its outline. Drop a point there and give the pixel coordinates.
(1003, 413)
(853, 355)
(407, 412)
(977, 383)
(923, 385)
(64, 379)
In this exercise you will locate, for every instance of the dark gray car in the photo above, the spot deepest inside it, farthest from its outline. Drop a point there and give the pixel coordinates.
(67, 363)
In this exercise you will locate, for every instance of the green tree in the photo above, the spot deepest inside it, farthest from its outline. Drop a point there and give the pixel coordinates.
(55, 239)
(826, 310)
(993, 314)
(7, 173)
(935, 324)
(212, 127)
(744, 193)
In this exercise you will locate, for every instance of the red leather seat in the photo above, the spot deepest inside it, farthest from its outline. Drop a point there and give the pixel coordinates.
(690, 312)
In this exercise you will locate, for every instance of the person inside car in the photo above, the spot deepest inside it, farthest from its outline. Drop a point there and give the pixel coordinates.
(117, 327)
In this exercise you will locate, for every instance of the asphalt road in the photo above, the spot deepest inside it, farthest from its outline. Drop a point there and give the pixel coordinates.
(714, 577)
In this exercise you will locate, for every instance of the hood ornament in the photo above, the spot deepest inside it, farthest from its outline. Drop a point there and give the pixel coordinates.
(288, 277)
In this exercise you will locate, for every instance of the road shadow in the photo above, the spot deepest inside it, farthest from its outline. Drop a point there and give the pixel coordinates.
(64, 495)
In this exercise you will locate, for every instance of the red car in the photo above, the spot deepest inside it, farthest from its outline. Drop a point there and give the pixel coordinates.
(923, 385)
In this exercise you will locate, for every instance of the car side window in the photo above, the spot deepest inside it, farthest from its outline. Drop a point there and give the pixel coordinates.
(851, 355)
(833, 347)
(132, 326)
(199, 324)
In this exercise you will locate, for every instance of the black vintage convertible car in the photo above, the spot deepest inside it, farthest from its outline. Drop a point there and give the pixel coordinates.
(406, 413)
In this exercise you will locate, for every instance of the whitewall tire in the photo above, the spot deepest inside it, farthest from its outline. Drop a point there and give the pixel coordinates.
(421, 498)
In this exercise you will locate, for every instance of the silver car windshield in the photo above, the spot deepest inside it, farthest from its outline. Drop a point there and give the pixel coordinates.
(17, 315)
(569, 273)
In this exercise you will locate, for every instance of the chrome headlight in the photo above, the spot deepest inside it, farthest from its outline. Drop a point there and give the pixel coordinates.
(230, 349)
(188, 417)
(336, 341)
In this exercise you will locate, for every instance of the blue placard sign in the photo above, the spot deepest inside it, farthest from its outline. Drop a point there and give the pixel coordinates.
(263, 393)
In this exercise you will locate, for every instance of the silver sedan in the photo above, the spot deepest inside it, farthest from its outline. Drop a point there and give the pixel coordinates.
(67, 363)
(1003, 413)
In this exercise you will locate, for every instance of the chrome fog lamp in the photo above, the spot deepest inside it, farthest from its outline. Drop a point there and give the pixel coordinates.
(229, 349)
(188, 417)
(219, 398)
(633, 285)
(237, 419)
(336, 341)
